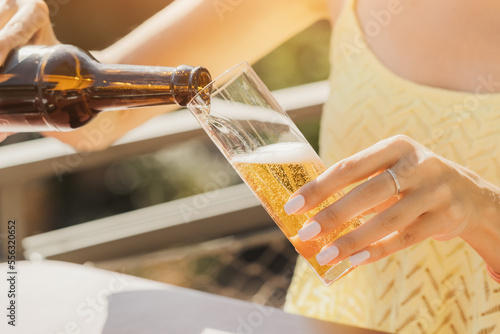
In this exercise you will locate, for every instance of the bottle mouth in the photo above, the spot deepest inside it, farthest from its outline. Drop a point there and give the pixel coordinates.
(187, 82)
(200, 81)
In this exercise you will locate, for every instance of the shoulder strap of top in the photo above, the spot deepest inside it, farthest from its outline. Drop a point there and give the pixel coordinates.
(348, 7)
(346, 12)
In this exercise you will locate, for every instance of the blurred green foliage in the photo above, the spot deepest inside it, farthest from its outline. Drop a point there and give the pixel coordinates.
(302, 59)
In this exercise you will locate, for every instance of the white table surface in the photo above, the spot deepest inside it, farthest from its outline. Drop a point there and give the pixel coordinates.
(63, 298)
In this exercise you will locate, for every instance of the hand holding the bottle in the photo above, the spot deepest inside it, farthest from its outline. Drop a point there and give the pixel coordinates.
(24, 22)
(436, 198)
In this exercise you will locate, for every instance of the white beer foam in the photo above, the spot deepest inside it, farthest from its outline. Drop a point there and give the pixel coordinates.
(291, 152)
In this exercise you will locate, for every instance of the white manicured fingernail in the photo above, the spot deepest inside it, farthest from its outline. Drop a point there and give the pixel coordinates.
(327, 255)
(359, 258)
(309, 231)
(295, 204)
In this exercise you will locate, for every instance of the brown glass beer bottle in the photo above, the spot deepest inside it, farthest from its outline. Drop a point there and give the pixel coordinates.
(62, 87)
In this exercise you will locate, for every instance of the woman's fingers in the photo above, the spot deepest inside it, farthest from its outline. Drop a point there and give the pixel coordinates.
(396, 218)
(7, 9)
(423, 227)
(381, 207)
(31, 19)
(362, 198)
(359, 167)
(420, 229)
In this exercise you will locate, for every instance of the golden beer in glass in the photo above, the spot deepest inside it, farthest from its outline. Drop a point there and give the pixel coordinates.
(269, 153)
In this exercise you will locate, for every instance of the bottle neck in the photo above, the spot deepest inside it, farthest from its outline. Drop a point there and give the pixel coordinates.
(131, 86)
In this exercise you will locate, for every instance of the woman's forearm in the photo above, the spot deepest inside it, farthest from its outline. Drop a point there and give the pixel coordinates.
(214, 34)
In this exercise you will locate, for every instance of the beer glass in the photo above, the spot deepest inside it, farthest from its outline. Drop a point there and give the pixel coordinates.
(269, 153)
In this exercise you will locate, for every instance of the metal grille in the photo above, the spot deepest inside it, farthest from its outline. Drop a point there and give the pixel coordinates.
(255, 267)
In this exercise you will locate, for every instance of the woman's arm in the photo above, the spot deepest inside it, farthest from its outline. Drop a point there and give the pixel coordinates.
(216, 34)
(437, 198)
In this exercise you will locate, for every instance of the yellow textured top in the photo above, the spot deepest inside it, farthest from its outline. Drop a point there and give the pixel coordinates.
(432, 287)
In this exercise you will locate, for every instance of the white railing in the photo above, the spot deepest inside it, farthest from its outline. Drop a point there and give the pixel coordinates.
(234, 210)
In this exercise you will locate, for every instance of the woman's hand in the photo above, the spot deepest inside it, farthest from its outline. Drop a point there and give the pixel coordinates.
(437, 198)
(23, 22)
